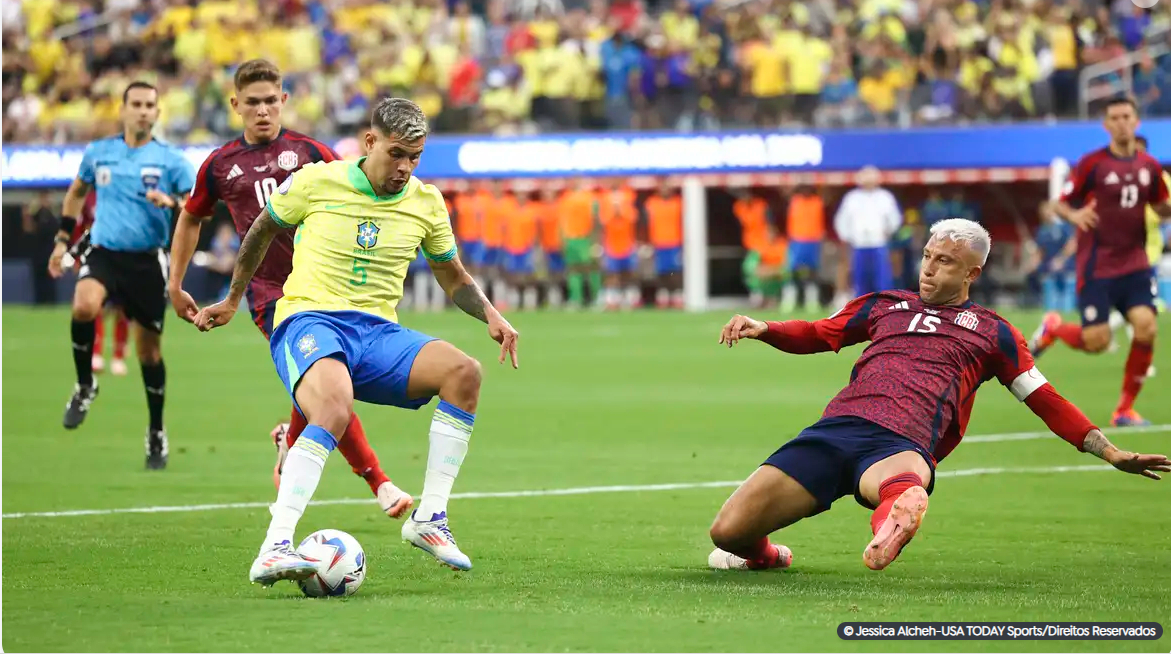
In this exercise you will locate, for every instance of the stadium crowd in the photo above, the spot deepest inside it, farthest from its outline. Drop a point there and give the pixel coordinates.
(517, 66)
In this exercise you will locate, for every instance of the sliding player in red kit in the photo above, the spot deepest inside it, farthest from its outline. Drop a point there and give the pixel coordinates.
(1107, 199)
(244, 173)
(905, 409)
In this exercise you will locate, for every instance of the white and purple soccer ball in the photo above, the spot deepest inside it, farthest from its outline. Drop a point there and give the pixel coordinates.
(341, 564)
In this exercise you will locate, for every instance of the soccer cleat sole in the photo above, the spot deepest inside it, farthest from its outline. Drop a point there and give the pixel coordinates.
(287, 574)
(441, 562)
(906, 516)
(153, 463)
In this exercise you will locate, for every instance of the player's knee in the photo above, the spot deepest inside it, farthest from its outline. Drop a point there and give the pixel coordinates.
(86, 308)
(725, 534)
(1145, 330)
(150, 351)
(465, 377)
(1095, 340)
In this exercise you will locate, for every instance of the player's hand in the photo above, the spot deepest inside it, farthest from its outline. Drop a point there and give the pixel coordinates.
(504, 334)
(217, 315)
(184, 304)
(1146, 465)
(160, 199)
(55, 268)
(742, 327)
(1085, 218)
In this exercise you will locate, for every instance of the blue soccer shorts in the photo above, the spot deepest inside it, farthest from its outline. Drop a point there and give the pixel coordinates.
(829, 457)
(668, 261)
(804, 255)
(518, 264)
(1097, 297)
(619, 265)
(554, 263)
(379, 353)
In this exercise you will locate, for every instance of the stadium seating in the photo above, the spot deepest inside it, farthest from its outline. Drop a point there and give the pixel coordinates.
(509, 67)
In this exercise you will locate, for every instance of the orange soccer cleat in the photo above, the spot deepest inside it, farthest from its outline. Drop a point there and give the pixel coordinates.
(906, 516)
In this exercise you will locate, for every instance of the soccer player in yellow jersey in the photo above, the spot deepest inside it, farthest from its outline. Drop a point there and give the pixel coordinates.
(359, 225)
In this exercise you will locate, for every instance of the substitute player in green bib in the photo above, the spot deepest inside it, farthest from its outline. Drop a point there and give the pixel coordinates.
(359, 226)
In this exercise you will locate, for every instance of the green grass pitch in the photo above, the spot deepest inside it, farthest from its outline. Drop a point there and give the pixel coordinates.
(600, 400)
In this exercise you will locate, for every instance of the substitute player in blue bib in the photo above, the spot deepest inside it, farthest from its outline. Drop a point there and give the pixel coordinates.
(140, 181)
(337, 338)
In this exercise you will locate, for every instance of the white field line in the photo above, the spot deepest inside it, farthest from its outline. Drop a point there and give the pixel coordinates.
(590, 490)
(584, 490)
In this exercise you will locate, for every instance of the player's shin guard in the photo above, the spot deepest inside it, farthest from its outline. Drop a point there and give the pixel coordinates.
(83, 350)
(1138, 362)
(299, 480)
(361, 457)
(888, 492)
(451, 428)
(154, 378)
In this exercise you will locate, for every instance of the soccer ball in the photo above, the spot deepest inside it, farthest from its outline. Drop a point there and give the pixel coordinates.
(341, 564)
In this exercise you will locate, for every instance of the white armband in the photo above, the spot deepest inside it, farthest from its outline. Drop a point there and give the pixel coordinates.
(1027, 382)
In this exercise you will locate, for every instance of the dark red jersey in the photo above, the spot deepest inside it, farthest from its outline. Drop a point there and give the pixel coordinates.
(244, 176)
(920, 373)
(1121, 188)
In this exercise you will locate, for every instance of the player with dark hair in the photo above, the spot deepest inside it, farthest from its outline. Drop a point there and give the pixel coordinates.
(244, 173)
(337, 339)
(905, 409)
(1107, 199)
(139, 181)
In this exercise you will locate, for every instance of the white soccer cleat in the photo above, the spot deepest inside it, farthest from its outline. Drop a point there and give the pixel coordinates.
(118, 367)
(98, 363)
(394, 501)
(433, 537)
(278, 436)
(279, 562)
(721, 560)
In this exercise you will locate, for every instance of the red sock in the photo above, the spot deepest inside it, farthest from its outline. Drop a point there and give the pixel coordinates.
(1137, 364)
(1071, 334)
(888, 492)
(297, 424)
(121, 335)
(99, 335)
(361, 457)
(353, 446)
(762, 555)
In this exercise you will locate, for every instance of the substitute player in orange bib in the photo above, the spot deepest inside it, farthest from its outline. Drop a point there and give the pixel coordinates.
(905, 409)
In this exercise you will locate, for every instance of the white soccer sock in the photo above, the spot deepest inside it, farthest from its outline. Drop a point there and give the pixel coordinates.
(530, 297)
(555, 298)
(789, 297)
(451, 428)
(299, 477)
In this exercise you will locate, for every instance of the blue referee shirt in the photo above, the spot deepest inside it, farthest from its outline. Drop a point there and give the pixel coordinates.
(124, 219)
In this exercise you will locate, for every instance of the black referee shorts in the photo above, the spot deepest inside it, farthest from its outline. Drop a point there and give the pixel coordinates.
(135, 281)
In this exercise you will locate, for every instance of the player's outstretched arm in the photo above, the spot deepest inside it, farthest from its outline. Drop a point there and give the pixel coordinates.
(183, 245)
(1068, 422)
(252, 251)
(849, 326)
(1147, 465)
(466, 294)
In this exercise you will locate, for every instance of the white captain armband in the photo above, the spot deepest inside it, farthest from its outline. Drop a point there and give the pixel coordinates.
(1027, 382)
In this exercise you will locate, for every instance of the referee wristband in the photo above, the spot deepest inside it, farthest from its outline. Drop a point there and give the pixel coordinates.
(68, 224)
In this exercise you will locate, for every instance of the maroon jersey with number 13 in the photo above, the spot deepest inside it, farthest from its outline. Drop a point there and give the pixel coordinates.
(244, 176)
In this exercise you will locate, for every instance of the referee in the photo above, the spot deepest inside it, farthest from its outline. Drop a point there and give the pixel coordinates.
(139, 182)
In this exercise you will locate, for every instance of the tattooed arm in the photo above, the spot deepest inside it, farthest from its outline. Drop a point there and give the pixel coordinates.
(1138, 464)
(252, 251)
(466, 295)
(464, 292)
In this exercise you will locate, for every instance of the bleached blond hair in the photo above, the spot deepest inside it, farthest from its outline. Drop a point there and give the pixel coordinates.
(966, 232)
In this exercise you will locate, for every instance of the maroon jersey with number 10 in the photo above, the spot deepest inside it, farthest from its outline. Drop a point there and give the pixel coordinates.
(244, 176)
(1121, 189)
(918, 378)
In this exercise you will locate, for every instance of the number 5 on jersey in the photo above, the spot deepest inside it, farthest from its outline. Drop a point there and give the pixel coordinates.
(924, 324)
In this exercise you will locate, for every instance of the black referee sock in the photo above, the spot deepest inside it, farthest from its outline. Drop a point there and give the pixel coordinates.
(154, 378)
(83, 351)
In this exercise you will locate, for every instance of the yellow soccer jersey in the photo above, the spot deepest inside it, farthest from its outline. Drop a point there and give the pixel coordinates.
(352, 247)
(1154, 231)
